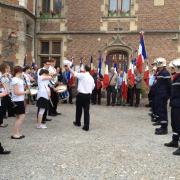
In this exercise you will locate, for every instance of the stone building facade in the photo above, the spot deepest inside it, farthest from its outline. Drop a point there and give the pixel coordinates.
(17, 31)
(84, 28)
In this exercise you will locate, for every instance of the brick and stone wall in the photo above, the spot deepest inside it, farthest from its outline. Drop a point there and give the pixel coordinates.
(14, 20)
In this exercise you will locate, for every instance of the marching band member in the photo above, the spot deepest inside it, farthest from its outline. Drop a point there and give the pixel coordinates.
(43, 97)
(28, 79)
(46, 66)
(162, 94)
(6, 80)
(18, 96)
(52, 84)
(2, 94)
(175, 108)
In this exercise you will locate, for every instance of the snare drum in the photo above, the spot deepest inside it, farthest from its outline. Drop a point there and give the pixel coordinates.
(63, 92)
(33, 91)
(61, 88)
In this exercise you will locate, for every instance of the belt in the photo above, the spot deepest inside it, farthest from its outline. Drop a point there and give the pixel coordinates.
(84, 94)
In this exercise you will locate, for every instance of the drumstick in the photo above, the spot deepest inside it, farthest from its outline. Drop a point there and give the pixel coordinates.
(49, 97)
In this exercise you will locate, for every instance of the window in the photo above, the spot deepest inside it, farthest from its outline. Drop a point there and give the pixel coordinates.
(46, 6)
(50, 49)
(57, 5)
(56, 47)
(51, 8)
(119, 8)
(44, 47)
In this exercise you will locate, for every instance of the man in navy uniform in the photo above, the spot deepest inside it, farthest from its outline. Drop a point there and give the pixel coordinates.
(162, 94)
(175, 108)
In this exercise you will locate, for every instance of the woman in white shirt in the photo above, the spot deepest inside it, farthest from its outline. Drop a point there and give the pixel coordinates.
(18, 93)
(43, 96)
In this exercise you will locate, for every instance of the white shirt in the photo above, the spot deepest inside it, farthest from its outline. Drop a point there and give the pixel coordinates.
(53, 71)
(85, 83)
(43, 88)
(20, 83)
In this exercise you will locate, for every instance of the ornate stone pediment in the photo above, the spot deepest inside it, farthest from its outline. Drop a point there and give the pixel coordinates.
(117, 40)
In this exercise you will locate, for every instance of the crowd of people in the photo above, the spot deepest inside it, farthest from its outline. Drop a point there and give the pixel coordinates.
(45, 86)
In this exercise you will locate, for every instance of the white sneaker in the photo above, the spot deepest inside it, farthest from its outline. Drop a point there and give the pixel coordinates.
(41, 126)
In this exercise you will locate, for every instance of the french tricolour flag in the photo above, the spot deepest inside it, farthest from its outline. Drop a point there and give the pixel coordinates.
(92, 66)
(100, 64)
(124, 84)
(81, 66)
(141, 54)
(131, 76)
(106, 74)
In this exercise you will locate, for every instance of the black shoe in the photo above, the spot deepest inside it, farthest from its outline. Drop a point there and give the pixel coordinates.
(48, 119)
(70, 102)
(52, 114)
(58, 114)
(20, 137)
(153, 119)
(85, 129)
(156, 123)
(13, 115)
(76, 124)
(172, 144)
(177, 152)
(161, 131)
(5, 152)
(136, 105)
(4, 125)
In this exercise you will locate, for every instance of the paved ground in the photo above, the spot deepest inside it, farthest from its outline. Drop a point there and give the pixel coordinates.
(119, 146)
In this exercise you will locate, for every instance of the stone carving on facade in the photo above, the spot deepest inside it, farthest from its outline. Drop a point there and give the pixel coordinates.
(10, 45)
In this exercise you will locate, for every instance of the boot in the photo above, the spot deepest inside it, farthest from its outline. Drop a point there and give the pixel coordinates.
(156, 123)
(172, 144)
(161, 131)
(177, 152)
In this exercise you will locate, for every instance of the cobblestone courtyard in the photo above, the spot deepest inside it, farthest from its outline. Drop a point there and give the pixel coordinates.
(120, 145)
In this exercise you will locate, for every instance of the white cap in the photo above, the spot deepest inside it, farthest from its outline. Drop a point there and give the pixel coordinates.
(67, 62)
(176, 64)
(171, 65)
(161, 62)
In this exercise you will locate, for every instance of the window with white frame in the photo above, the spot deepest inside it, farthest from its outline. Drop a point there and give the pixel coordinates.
(119, 8)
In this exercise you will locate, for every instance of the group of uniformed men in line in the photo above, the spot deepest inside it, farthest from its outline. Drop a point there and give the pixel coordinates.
(166, 86)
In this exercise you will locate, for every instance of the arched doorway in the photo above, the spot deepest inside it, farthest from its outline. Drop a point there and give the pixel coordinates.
(118, 52)
(120, 57)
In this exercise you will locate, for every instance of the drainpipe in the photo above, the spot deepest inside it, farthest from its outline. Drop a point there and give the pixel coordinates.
(35, 28)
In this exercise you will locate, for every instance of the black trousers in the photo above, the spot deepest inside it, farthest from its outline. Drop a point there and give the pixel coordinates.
(161, 104)
(1, 115)
(83, 102)
(137, 93)
(55, 100)
(7, 106)
(111, 93)
(130, 95)
(70, 94)
(175, 123)
(96, 96)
